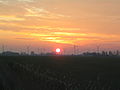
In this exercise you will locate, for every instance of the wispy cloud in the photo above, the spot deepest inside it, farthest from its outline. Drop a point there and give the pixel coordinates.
(65, 37)
(43, 13)
(26, 0)
(75, 38)
(58, 34)
(32, 28)
(4, 1)
(11, 18)
(20, 38)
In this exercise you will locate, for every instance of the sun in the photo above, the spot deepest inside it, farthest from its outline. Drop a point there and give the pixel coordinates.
(58, 50)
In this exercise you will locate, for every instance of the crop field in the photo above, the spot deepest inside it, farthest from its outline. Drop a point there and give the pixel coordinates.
(59, 73)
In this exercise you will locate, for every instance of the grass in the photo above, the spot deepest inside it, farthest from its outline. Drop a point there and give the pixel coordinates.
(60, 73)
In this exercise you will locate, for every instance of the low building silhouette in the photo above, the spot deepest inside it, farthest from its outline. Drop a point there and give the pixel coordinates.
(9, 53)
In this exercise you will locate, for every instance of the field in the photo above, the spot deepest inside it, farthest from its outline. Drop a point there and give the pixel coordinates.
(59, 73)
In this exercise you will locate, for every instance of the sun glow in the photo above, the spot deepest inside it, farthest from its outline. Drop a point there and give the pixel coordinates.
(58, 50)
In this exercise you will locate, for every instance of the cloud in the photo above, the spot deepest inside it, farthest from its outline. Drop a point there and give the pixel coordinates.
(1, 1)
(72, 38)
(33, 28)
(64, 37)
(11, 18)
(25, 38)
(4, 1)
(26, 0)
(43, 13)
(35, 10)
(53, 28)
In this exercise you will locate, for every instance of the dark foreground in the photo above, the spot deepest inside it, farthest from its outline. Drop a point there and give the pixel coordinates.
(59, 73)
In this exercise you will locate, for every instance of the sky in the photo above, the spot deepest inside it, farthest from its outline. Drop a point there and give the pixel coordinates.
(60, 23)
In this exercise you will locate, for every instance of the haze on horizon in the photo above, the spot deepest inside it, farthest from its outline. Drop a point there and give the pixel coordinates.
(60, 23)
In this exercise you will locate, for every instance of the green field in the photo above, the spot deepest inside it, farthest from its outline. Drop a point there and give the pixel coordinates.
(59, 73)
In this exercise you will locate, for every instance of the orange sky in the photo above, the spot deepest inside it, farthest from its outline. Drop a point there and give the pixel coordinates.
(60, 23)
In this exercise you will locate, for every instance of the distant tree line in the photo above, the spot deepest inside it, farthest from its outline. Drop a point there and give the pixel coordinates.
(102, 53)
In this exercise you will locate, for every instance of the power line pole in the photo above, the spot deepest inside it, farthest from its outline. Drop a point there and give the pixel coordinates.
(76, 49)
(3, 48)
(38, 51)
(28, 49)
(98, 49)
(44, 50)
